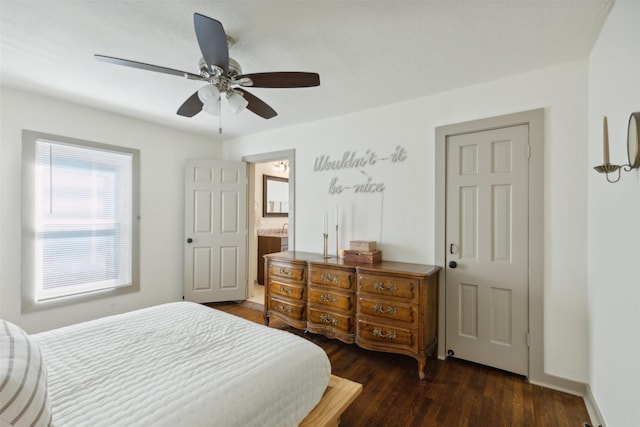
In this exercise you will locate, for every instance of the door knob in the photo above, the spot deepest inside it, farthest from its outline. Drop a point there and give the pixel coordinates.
(453, 264)
(189, 240)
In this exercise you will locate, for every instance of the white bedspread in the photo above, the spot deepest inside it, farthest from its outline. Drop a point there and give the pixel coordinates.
(180, 364)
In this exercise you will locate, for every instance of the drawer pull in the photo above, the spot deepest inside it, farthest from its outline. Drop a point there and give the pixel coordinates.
(379, 308)
(285, 290)
(388, 335)
(329, 298)
(286, 271)
(284, 309)
(329, 278)
(329, 319)
(379, 286)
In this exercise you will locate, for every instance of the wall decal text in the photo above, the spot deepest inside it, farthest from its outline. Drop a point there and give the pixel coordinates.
(353, 160)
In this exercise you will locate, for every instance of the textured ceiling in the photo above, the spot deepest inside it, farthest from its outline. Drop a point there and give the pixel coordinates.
(368, 53)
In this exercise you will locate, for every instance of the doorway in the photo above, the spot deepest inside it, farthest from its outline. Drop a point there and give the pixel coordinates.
(534, 120)
(487, 260)
(271, 227)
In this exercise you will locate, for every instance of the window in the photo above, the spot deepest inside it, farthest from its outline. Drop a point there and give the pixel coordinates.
(79, 220)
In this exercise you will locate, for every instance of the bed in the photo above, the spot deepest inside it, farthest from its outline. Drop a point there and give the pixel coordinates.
(177, 364)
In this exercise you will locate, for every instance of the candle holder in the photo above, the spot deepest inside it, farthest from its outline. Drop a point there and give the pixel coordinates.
(608, 168)
(325, 254)
(337, 246)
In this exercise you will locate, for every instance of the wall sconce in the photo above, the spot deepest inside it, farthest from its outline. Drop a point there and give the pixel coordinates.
(633, 148)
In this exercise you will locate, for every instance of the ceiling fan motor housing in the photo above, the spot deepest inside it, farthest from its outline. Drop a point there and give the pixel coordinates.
(234, 68)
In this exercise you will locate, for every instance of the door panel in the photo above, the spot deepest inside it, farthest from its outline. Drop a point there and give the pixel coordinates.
(501, 223)
(487, 236)
(216, 231)
(469, 222)
(468, 311)
(201, 269)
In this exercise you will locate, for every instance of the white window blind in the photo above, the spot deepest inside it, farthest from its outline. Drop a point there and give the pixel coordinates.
(83, 219)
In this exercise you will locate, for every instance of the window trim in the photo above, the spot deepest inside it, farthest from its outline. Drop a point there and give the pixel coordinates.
(29, 302)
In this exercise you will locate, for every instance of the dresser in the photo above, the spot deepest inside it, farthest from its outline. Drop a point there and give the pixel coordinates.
(386, 306)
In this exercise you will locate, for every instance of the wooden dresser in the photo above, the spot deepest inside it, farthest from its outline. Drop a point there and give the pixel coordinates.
(387, 306)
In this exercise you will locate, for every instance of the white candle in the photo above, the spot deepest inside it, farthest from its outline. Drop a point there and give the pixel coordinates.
(325, 223)
(605, 132)
(336, 215)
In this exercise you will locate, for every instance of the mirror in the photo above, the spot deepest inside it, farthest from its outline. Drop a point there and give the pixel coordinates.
(275, 196)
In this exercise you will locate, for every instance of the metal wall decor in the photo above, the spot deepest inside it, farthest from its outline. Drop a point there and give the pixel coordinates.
(633, 149)
(360, 162)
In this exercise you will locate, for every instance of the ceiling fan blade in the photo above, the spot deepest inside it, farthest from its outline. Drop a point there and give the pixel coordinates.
(212, 41)
(191, 106)
(148, 67)
(284, 79)
(257, 105)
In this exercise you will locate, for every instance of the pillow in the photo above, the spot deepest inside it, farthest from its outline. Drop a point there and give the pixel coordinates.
(24, 399)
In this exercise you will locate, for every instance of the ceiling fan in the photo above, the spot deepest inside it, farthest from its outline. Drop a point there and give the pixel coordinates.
(223, 75)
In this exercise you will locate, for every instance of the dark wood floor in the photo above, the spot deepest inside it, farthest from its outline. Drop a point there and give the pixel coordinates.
(455, 393)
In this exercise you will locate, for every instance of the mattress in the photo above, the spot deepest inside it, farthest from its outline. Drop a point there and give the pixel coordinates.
(180, 364)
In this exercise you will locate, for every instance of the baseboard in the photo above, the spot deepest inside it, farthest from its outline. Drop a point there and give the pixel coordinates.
(592, 408)
(565, 386)
(557, 383)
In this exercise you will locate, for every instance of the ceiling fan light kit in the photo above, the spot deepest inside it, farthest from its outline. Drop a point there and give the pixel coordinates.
(208, 94)
(237, 103)
(223, 75)
(212, 107)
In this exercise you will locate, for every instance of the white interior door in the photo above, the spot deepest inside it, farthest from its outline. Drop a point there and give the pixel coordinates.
(215, 231)
(487, 248)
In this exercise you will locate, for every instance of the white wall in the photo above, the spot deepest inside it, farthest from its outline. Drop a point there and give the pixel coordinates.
(163, 152)
(402, 218)
(614, 223)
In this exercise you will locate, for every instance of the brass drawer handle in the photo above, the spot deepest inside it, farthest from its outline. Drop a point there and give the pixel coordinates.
(379, 286)
(284, 309)
(286, 271)
(388, 335)
(329, 298)
(329, 319)
(285, 290)
(379, 308)
(329, 278)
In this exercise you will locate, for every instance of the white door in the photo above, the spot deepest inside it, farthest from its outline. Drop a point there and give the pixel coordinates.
(215, 231)
(487, 248)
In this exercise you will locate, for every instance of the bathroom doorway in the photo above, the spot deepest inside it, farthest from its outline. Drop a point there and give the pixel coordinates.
(271, 215)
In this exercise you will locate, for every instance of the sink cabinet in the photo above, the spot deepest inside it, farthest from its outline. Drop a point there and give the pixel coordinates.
(268, 244)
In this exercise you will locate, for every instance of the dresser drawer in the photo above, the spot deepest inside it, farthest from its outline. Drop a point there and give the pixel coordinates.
(286, 290)
(341, 322)
(287, 271)
(389, 286)
(389, 310)
(293, 311)
(343, 279)
(382, 333)
(336, 300)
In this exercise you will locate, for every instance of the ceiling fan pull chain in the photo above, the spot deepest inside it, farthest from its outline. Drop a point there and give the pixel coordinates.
(220, 118)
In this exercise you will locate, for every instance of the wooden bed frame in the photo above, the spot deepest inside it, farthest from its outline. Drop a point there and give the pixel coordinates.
(340, 393)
